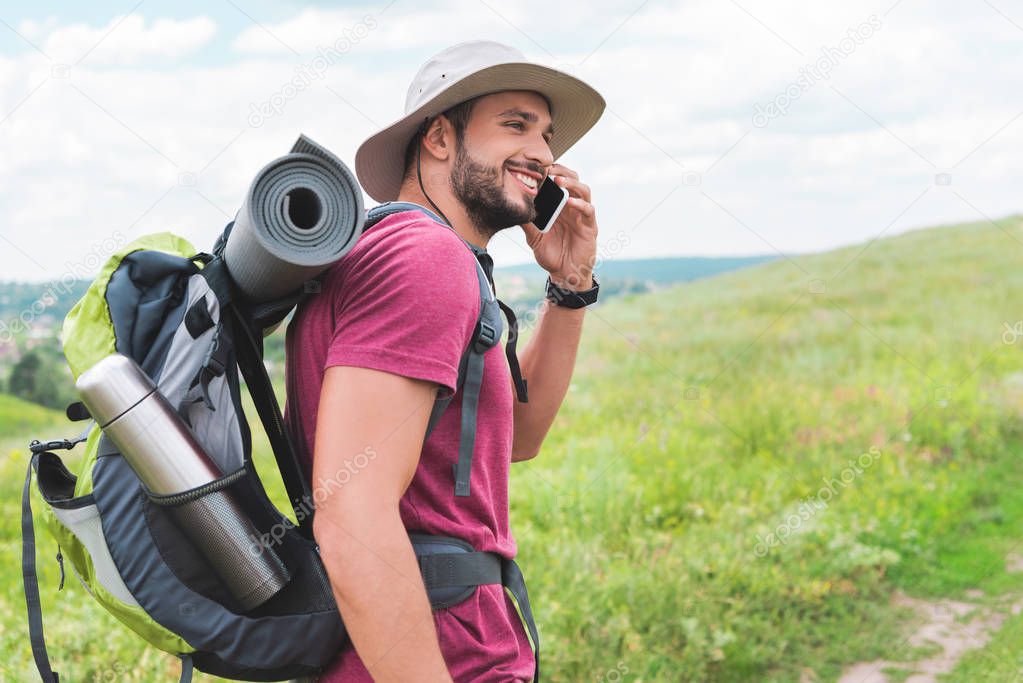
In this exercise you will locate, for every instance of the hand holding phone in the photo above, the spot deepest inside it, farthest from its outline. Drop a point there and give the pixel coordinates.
(549, 202)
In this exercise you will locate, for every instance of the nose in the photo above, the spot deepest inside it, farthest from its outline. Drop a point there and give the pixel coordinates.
(540, 152)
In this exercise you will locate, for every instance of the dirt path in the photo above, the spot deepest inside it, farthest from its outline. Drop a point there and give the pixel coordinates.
(948, 628)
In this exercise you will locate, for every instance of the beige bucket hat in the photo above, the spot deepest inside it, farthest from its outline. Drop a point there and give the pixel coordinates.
(460, 73)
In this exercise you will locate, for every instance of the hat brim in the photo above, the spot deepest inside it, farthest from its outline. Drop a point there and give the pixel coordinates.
(575, 108)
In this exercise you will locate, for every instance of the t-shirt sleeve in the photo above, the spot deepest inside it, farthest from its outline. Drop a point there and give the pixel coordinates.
(408, 305)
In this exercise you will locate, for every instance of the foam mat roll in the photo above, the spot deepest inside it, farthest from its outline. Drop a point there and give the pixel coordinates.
(301, 214)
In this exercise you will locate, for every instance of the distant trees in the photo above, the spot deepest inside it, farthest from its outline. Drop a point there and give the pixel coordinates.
(41, 376)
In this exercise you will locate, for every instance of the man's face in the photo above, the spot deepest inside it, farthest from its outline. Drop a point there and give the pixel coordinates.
(503, 159)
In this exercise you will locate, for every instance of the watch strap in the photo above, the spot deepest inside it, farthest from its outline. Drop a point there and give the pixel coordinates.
(568, 298)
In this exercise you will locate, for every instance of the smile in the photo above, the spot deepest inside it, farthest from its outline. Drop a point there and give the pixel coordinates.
(527, 182)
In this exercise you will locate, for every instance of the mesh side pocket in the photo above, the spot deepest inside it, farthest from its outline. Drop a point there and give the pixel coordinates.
(80, 518)
(218, 527)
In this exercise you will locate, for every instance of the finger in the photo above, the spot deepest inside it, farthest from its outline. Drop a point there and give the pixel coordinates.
(583, 206)
(532, 233)
(558, 169)
(575, 187)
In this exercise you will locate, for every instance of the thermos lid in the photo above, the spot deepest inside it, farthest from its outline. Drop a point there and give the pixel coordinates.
(112, 386)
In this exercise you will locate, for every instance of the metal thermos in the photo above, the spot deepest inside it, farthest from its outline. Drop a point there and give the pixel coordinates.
(164, 453)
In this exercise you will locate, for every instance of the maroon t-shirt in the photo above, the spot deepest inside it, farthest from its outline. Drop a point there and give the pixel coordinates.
(405, 300)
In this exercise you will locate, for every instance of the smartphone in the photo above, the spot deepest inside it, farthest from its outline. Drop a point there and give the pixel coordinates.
(549, 202)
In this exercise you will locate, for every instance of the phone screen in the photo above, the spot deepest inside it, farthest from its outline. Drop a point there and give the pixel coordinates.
(548, 202)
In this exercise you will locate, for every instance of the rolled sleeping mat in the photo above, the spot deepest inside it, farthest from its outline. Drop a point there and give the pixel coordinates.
(301, 214)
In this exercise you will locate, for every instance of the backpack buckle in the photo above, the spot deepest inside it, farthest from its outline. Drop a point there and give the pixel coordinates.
(36, 447)
(213, 365)
(485, 337)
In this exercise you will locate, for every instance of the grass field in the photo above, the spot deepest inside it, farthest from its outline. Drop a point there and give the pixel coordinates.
(745, 472)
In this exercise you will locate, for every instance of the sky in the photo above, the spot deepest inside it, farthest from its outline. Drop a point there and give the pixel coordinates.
(731, 128)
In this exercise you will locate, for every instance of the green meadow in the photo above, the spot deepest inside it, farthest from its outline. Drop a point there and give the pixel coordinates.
(747, 471)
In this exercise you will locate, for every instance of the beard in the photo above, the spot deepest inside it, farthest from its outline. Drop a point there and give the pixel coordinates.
(480, 189)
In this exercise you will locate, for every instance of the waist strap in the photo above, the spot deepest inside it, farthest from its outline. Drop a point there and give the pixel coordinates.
(452, 570)
(449, 570)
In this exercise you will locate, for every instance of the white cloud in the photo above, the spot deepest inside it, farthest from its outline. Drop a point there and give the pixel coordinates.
(125, 40)
(104, 149)
(397, 26)
(34, 30)
(309, 29)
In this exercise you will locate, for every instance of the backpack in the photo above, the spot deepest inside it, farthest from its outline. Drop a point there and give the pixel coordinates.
(176, 312)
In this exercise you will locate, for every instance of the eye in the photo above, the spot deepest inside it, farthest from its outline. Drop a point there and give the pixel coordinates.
(516, 123)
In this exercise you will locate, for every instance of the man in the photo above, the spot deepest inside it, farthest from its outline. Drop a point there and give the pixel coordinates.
(369, 355)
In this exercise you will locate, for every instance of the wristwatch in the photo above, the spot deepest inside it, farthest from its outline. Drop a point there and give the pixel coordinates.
(572, 299)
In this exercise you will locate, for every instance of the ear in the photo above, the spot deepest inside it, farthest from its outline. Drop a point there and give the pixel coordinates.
(439, 138)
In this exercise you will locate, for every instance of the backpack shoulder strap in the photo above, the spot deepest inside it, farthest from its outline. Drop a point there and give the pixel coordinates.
(249, 352)
(28, 570)
(486, 334)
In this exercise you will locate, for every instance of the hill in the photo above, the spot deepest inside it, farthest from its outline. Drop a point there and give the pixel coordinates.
(746, 470)
(18, 417)
(31, 313)
(748, 467)
(665, 270)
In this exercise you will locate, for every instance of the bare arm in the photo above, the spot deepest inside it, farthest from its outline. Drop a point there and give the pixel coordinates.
(547, 363)
(364, 546)
(568, 253)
